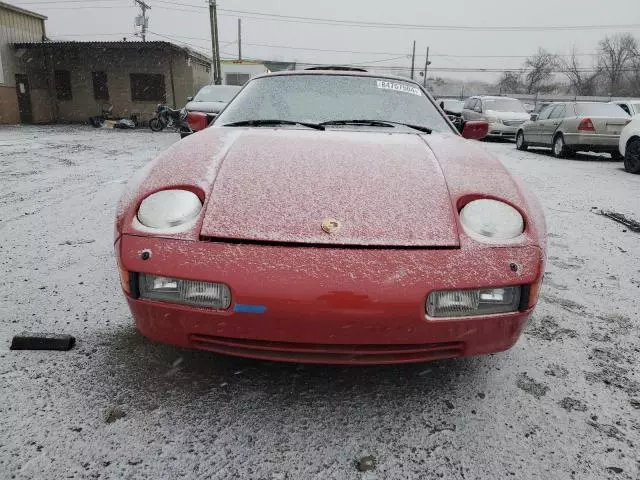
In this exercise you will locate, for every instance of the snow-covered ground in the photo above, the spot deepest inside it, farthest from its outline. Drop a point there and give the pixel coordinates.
(564, 403)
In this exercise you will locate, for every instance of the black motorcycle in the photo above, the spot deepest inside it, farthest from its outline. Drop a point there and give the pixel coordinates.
(166, 118)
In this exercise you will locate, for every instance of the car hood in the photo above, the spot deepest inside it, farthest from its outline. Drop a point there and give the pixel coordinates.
(508, 115)
(279, 185)
(206, 107)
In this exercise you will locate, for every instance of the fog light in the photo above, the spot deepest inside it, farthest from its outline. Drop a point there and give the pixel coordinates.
(187, 292)
(462, 303)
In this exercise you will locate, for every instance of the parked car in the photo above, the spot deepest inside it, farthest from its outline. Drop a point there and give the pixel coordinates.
(504, 114)
(210, 101)
(331, 217)
(629, 146)
(569, 127)
(632, 107)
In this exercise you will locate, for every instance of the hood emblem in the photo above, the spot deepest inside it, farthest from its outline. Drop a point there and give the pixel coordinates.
(330, 225)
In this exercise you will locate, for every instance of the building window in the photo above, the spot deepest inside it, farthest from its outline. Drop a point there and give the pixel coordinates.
(148, 87)
(63, 84)
(238, 79)
(100, 87)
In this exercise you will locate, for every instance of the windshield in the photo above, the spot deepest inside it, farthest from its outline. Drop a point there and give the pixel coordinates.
(504, 105)
(322, 98)
(216, 93)
(453, 105)
(600, 110)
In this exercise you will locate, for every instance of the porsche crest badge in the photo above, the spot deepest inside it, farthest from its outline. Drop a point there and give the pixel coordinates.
(329, 225)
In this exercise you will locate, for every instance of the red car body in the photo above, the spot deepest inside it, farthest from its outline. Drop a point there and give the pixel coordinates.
(355, 296)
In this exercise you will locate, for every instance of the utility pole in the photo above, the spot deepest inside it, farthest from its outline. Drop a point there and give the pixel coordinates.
(240, 39)
(144, 21)
(426, 69)
(413, 59)
(215, 47)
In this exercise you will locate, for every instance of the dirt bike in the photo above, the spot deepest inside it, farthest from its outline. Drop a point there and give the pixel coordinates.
(166, 118)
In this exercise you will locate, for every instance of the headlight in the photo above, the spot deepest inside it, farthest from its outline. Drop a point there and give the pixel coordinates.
(187, 292)
(491, 221)
(169, 208)
(462, 303)
(492, 119)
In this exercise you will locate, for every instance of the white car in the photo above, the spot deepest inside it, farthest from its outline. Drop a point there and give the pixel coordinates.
(632, 107)
(630, 146)
(505, 115)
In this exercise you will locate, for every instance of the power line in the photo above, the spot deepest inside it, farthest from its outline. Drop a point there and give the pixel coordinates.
(362, 24)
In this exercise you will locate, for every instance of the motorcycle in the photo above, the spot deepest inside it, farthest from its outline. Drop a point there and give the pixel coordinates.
(166, 118)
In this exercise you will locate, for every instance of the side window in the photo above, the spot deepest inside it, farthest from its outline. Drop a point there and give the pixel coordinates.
(478, 106)
(546, 111)
(468, 104)
(624, 107)
(558, 112)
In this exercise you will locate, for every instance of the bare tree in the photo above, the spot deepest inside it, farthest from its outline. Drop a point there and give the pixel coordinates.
(634, 77)
(582, 81)
(510, 82)
(541, 68)
(616, 54)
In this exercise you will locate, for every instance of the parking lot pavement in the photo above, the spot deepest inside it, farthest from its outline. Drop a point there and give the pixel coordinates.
(564, 403)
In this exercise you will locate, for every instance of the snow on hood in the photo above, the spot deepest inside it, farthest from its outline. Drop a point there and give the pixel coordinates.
(206, 107)
(383, 189)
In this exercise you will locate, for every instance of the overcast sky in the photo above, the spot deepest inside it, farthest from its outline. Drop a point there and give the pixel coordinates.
(113, 19)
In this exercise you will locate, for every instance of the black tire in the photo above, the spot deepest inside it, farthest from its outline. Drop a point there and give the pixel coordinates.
(156, 125)
(632, 157)
(559, 148)
(616, 156)
(520, 143)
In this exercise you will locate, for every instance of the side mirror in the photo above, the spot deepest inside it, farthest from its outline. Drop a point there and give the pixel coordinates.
(534, 117)
(475, 130)
(189, 99)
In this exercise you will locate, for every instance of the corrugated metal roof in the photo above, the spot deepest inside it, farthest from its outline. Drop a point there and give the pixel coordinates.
(13, 8)
(116, 45)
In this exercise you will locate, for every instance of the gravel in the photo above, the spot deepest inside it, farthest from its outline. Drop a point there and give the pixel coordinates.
(562, 404)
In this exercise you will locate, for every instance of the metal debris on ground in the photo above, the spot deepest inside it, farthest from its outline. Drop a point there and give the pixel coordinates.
(620, 218)
(42, 341)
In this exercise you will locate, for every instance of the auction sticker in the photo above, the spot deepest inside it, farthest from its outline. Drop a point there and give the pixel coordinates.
(398, 87)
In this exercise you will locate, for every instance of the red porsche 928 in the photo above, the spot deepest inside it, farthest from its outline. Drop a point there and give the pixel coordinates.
(331, 217)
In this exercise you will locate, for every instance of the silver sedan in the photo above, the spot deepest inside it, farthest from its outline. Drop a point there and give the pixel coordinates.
(569, 127)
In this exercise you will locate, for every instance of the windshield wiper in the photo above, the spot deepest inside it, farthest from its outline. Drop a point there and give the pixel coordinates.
(376, 123)
(274, 122)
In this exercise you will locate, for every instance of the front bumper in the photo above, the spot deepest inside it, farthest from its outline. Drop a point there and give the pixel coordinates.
(502, 130)
(592, 142)
(328, 305)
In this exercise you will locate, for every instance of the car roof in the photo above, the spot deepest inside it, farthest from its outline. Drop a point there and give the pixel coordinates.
(338, 73)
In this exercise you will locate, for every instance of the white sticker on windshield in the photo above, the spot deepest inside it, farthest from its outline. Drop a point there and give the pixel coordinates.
(398, 87)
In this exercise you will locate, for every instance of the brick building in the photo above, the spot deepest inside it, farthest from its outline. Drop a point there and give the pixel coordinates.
(81, 78)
